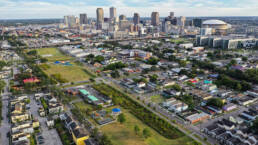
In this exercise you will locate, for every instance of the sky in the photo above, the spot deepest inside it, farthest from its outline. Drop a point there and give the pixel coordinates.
(30, 9)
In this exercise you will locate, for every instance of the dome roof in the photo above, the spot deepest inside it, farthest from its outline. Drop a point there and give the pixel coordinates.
(214, 22)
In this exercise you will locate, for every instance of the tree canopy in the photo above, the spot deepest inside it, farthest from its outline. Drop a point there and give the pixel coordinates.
(217, 102)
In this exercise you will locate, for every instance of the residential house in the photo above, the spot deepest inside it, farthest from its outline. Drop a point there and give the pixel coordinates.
(20, 117)
(250, 114)
(194, 118)
(227, 124)
(79, 136)
(54, 108)
(229, 107)
(253, 93)
(50, 122)
(177, 106)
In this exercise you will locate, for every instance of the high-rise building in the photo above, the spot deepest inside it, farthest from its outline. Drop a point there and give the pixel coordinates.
(124, 24)
(66, 20)
(181, 21)
(197, 22)
(70, 21)
(100, 17)
(166, 26)
(136, 18)
(112, 13)
(83, 19)
(171, 15)
(171, 18)
(122, 17)
(77, 20)
(155, 18)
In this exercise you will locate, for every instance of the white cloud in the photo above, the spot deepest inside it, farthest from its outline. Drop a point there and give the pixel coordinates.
(40, 9)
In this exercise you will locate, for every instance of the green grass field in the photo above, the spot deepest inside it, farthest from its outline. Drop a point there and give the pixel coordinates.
(157, 99)
(72, 73)
(123, 134)
(55, 54)
(82, 106)
(179, 40)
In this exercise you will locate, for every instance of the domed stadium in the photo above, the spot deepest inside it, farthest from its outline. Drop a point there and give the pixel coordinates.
(218, 26)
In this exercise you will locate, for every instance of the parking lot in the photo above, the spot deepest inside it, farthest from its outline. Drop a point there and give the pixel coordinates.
(48, 136)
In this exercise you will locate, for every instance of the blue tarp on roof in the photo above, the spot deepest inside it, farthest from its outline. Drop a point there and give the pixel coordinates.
(116, 110)
(213, 75)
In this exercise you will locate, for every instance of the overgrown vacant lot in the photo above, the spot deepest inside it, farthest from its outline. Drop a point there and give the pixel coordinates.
(71, 73)
(123, 134)
(52, 54)
(157, 99)
(162, 132)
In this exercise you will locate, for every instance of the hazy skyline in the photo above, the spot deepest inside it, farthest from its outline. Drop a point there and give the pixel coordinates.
(22, 9)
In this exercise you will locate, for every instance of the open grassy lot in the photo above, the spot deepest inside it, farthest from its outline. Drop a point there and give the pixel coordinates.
(85, 110)
(157, 99)
(53, 54)
(71, 73)
(82, 106)
(123, 134)
(179, 40)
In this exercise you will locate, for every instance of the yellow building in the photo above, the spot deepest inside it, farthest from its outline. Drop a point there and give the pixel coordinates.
(35, 123)
(20, 117)
(79, 136)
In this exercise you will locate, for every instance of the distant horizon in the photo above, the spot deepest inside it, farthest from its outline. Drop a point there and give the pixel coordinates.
(127, 17)
(32, 9)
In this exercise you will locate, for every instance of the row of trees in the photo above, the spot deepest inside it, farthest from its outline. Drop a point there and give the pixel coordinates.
(226, 76)
(94, 59)
(145, 115)
(115, 66)
(145, 132)
(224, 80)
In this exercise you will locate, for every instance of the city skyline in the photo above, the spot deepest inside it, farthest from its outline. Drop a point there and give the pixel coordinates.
(20, 9)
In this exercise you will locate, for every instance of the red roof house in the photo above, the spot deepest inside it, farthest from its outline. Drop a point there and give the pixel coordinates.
(31, 80)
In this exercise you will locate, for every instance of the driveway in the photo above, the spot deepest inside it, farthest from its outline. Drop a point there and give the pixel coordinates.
(5, 125)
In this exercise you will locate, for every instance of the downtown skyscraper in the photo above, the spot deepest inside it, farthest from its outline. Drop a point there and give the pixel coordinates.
(155, 18)
(83, 19)
(70, 21)
(136, 18)
(100, 17)
(112, 13)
